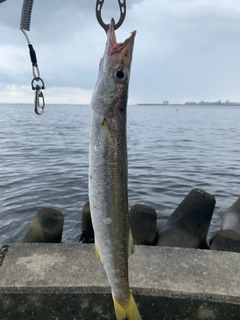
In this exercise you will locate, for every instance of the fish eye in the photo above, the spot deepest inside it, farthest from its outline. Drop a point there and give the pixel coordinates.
(120, 74)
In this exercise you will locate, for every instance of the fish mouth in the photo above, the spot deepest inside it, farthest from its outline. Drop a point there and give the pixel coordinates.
(112, 47)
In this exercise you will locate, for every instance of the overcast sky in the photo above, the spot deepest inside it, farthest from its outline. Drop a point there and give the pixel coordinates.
(185, 50)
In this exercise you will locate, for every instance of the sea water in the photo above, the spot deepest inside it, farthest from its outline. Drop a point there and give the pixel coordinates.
(171, 150)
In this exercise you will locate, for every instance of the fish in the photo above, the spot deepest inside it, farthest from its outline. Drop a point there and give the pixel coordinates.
(108, 171)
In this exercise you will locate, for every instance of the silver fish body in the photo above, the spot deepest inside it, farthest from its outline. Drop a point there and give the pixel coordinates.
(108, 171)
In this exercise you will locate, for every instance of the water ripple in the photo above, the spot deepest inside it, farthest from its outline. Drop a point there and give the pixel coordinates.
(44, 161)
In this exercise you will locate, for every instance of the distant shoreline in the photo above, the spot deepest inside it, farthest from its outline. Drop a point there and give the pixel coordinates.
(231, 104)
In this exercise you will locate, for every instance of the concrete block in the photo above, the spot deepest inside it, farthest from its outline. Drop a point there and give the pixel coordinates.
(66, 282)
(87, 235)
(189, 223)
(226, 240)
(230, 217)
(47, 226)
(142, 220)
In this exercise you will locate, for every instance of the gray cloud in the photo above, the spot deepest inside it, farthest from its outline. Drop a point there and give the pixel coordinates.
(184, 50)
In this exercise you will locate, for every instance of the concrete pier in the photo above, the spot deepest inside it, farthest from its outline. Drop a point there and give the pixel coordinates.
(66, 282)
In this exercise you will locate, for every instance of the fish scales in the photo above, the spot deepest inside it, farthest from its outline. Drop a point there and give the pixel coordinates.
(108, 195)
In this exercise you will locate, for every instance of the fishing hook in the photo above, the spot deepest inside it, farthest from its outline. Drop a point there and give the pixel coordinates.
(122, 7)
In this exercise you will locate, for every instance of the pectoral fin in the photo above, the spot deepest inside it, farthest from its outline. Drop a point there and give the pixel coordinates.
(97, 251)
(106, 134)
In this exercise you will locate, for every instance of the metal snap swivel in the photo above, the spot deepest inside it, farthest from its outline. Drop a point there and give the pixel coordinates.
(37, 86)
(39, 102)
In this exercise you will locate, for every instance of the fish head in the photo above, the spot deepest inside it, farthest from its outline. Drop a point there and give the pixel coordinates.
(111, 91)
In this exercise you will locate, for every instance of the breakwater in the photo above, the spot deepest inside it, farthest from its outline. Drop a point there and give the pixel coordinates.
(66, 282)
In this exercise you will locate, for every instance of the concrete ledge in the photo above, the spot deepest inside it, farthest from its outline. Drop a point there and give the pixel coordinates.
(65, 281)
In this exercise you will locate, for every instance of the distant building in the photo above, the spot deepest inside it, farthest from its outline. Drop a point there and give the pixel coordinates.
(204, 103)
(165, 102)
(190, 103)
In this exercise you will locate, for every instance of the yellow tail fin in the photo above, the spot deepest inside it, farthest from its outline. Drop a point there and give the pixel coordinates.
(126, 311)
